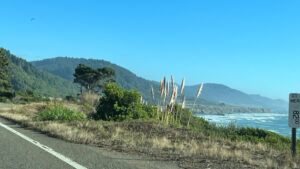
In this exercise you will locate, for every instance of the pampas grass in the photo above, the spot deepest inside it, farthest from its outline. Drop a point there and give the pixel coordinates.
(166, 91)
(199, 91)
(172, 81)
(160, 88)
(183, 102)
(197, 96)
(152, 93)
(168, 87)
(172, 103)
(182, 86)
(166, 115)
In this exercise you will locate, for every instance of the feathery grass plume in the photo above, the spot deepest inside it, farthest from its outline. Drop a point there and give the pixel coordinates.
(165, 94)
(172, 106)
(164, 90)
(173, 95)
(152, 93)
(182, 86)
(160, 91)
(176, 92)
(182, 107)
(164, 83)
(183, 102)
(168, 88)
(172, 81)
(160, 88)
(172, 102)
(200, 90)
(198, 94)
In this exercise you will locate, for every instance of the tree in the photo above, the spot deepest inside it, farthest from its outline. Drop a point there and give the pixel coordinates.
(92, 79)
(5, 85)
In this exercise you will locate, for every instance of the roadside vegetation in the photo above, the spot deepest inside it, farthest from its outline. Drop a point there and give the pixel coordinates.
(121, 120)
(59, 112)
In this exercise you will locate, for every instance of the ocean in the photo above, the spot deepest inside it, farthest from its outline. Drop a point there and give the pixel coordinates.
(275, 122)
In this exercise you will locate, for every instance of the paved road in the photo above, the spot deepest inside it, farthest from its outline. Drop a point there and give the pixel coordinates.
(17, 153)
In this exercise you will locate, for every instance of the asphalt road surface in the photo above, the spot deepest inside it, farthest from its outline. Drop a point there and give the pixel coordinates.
(19, 153)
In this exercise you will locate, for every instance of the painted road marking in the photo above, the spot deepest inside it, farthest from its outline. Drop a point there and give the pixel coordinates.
(48, 149)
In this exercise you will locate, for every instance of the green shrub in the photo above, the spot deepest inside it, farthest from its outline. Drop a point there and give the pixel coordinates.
(182, 117)
(3, 99)
(235, 133)
(70, 98)
(231, 131)
(61, 113)
(29, 96)
(119, 104)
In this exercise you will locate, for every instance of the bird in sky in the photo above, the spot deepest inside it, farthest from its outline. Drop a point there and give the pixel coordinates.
(32, 19)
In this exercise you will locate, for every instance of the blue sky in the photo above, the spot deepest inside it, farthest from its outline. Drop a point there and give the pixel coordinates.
(250, 45)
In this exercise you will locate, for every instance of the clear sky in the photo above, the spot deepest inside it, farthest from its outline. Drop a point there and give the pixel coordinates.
(250, 45)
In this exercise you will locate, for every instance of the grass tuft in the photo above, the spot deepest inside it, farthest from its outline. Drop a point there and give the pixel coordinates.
(59, 112)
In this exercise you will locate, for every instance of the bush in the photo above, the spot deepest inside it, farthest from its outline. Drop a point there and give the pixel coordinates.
(235, 133)
(3, 99)
(28, 97)
(61, 113)
(70, 98)
(231, 131)
(119, 104)
(182, 115)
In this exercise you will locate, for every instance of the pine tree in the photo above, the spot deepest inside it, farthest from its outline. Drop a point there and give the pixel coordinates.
(5, 84)
(92, 79)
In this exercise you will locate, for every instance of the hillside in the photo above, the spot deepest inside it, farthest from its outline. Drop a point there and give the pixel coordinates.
(222, 94)
(64, 67)
(25, 76)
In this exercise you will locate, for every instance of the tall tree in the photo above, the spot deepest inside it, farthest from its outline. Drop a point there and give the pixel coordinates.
(92, 79)
(5, 84)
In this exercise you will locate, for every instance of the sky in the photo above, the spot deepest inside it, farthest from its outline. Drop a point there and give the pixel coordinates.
(249, 45)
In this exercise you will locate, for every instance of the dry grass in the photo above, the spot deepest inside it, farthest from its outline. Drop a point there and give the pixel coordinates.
(66, 132)
(158, 141)
(15, 117)
(31, 108)
(90, 98)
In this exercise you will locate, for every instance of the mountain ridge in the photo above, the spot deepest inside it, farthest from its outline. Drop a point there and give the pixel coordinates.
(215, 92)
(24, 76)
(218, 93)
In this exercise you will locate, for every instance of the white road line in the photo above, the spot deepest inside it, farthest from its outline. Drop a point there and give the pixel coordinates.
(48, 149)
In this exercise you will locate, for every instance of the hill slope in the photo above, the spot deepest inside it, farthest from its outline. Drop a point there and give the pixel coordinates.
(222, 94)
(25, 76)
(64, 67)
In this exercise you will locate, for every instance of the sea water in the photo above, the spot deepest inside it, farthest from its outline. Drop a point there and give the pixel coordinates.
(275, 122)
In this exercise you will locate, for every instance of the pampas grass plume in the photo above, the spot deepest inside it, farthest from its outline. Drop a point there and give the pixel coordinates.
(182, 86)
(152, 93)
(200, 90)
(183, 102)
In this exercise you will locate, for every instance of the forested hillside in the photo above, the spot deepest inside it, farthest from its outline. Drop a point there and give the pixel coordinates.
(24, 76)
(217, 93)
(64, 67)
